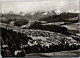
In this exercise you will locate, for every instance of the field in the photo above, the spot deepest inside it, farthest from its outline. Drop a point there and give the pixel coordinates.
(73, 53)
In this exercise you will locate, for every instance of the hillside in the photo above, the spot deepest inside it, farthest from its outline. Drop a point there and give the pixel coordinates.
(39, 32)
(63, 17)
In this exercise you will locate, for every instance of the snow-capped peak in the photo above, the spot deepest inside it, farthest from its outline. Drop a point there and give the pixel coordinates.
(11, 12)
(2, 12)
(71, 11)
(57, 11)
(32, 13)
(77, 11)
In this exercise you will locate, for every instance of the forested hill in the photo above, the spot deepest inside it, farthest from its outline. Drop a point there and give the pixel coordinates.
(12, 41)
(63, 17)
(11, 37)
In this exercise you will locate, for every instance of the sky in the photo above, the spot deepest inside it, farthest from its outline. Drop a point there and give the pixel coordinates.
(38, 5)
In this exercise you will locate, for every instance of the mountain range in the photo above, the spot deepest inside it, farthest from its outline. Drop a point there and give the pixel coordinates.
(57, 11)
